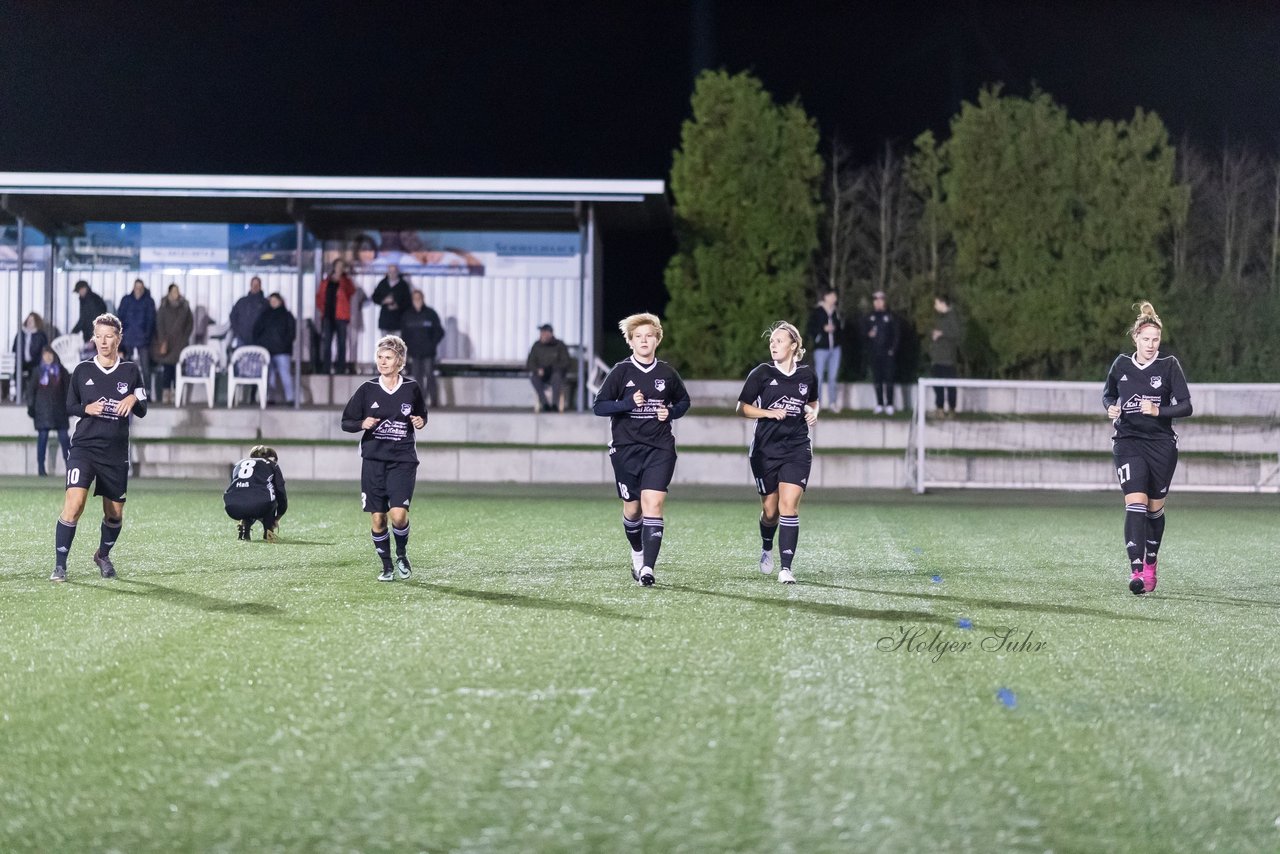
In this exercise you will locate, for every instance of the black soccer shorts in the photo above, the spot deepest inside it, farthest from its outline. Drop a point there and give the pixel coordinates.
(640, 467)
(768, 472)
(85, 467)
(1145, 465)
(384, 485)
(248, 507)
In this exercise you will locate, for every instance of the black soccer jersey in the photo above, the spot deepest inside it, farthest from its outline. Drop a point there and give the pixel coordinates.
(1161, 382)
(257, 481)
(106, 434)
(767, 387)
(639, 425)
(392, 438)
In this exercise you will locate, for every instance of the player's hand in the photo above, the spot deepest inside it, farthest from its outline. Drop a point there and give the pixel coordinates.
(937, 333)
(810, 415)
(370, 422)
(777, 414)
(663, 412)
(638, 397)
(418, 422)
(1113, 411)
(124, 407)
(94, 408)
(1149, 408)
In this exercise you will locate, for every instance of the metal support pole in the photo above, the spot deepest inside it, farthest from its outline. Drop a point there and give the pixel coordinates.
(297, 338)
(19, 376)
(581, 394)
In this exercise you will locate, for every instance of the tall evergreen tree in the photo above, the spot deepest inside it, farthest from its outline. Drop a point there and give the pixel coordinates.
(747, 205)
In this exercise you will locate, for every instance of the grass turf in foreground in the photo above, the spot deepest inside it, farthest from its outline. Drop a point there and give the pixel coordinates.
(520, 693)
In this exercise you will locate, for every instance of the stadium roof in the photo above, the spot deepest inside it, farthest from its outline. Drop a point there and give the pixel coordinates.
(51, 201)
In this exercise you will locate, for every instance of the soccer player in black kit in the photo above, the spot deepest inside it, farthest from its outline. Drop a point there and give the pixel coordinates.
(1143, 394)
(104, 391)
(388, 409)
(256, 493)
(642, 396)
(782, 397)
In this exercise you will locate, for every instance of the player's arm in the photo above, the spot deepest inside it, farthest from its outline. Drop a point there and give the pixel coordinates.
(608, 400)
(75, 406)
(682, 402)
(282, 497)
(136, 402)
(1179, 405)
(418, 409)
(748, 397)
(353, 413)
(1111, 392)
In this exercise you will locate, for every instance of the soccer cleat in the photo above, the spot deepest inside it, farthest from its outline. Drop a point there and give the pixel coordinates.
(1149, 576)
(271, 535)
(646, 576)
(402, 566)
(785, 576)
(386, 574)
(766, 563)
(242, 532)
(637, 563)
(59, 573)
(105, 566)
(1136, 587)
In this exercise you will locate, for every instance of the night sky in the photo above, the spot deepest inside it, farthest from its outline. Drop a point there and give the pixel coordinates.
(593, 90)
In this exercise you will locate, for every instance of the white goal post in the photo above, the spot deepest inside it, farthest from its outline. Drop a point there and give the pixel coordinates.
(1031, 434)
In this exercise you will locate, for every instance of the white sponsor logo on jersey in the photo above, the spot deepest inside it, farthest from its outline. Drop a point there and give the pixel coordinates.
(629, 384)
(804, 388)
(122, 388)
(405, 409)
(88, 382)
(773, 382)
(660, 385)
(374, 405)
(1124, 378)
(1155, 382)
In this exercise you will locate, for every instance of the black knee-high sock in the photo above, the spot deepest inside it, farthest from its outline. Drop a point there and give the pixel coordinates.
(652, 534)
(110, 533)
(381, 545)
(631, 527)
(1155, 533)
(402, 538)
(766, 534)
(1135, 533)
(788, 538)
(64, 533)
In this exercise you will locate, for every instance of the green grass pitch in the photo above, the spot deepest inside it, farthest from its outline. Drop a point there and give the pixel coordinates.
(520, 693)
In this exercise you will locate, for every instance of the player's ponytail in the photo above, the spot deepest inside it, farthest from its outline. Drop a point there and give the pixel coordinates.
(792, 332)
(1146, 317)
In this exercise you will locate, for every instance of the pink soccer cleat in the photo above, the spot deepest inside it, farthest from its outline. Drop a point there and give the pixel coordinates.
(1149, 576)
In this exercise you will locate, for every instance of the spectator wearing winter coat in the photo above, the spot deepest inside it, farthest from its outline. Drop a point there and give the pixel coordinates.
(245, 313)
(393, 297)
(275, 330)
(30, 340)
(174, 322)
(423, 332)
(137, 313)
(47, 405)
(333, 309)
(91, 306)
(548, 365)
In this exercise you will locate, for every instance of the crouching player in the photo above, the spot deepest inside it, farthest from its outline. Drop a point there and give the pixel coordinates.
(256, 493)
(104, 391)
(388, 409)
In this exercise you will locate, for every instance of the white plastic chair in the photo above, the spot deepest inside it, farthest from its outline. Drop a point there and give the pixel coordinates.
(248, 367)
(198, 365)
(9, 373)
(68, 348)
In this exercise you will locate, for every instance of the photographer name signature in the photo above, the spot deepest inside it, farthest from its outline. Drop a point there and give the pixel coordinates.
(935, 644)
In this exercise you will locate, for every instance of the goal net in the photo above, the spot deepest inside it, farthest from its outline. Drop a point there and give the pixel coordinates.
(1026, 434)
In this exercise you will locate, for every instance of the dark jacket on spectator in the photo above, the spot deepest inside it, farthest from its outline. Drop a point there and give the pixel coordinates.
(138, 317)
(91, 305)
(815, 337)
(422, 332)
(36, 342)
(946, 349)
(390, 318)
(553, 354)
(244, 314)
(275, 329)
(47, 396)
(174, 323)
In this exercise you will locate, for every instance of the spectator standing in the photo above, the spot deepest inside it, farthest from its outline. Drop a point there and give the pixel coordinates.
(548, 364)
(137, 312)
(244, 314)
(91, 306)
(174, 322)
(30, 341)
(882, 333)
(393, 297)
(275, 330)
(47, 405)
(333, 308)
(823, 334)
(423, 332)
(944, 351)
